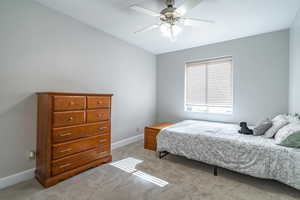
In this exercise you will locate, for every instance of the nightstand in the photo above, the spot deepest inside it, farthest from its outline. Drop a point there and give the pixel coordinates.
(150, 135)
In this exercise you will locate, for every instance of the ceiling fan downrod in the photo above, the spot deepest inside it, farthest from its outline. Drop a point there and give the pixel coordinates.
(170, 3)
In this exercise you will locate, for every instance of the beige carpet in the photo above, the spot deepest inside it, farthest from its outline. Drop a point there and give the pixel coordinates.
(140, 175)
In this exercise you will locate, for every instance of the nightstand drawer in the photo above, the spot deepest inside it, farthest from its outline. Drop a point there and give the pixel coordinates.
(151, 133)
(150, 142)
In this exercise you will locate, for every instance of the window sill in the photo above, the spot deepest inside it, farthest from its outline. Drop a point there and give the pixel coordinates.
(210, 113)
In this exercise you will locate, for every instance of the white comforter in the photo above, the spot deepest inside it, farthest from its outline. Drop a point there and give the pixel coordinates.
(220, 144)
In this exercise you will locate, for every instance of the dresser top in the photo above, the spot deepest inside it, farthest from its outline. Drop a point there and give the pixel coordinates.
(72, 94)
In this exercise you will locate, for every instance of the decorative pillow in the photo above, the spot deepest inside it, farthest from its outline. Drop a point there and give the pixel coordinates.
(280, 117)
(262, 127)
(293, 118)
(278, 122)
(289, 135)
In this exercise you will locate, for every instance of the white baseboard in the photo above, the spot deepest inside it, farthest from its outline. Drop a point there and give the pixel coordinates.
(126, 141)
(16, 178)
(29, 174)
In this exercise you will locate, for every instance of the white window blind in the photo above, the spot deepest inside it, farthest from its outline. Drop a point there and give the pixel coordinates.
(209, 86)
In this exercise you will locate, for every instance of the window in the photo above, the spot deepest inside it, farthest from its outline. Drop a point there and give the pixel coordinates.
(209, 86)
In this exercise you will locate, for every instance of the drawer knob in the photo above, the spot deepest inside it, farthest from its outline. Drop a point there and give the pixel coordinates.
(65, 165)
(70, 119)
(71, 103)
(65, 134)
(66, 150)
(99, 102)
(102, 128)
(100, 115)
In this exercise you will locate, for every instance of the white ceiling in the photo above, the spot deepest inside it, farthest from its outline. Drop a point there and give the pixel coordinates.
(233, 19)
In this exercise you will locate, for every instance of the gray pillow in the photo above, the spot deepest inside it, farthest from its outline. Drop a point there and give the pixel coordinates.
(278, 122)
(262, 127)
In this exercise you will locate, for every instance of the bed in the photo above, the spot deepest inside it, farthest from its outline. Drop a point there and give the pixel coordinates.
(220, 144)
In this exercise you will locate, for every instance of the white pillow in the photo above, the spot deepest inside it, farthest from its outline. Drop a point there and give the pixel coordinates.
(286, 131)
(280, 117)
(293, 118)
(278, 122)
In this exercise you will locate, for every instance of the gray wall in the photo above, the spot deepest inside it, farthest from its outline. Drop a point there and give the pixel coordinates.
(41, 50)
(295, 66)
(260, 78)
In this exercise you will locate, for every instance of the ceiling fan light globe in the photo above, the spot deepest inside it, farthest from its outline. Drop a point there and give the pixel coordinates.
(170, 31)
(165, 30)
(176, 29)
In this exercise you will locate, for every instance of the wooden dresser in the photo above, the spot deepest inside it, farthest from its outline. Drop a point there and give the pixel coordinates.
(151, 133)
(73, 134)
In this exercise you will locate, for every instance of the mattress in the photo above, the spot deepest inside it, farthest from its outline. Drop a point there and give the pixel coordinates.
(221, 145)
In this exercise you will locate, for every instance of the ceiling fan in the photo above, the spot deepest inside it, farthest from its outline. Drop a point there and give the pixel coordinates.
(171, 17)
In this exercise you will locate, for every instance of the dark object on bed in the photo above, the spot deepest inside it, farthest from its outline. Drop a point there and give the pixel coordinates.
(244, 129)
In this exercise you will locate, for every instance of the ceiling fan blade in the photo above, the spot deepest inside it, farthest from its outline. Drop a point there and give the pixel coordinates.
(187, 5)
(195, 22)
(145, 11)
(148, 28)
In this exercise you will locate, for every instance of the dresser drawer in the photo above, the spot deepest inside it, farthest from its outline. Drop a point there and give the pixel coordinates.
(76, 132)
(105, 138)
(98, 115)
(68, 118)
(104, 150)
(104, 147)
(70, 162)
(98, 102)
(64, 103)
(68, 148)
(99, 127)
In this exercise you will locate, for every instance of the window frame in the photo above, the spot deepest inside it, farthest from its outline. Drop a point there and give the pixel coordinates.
(207, 60)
